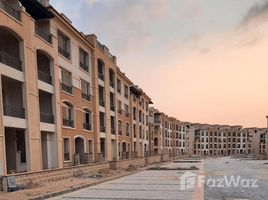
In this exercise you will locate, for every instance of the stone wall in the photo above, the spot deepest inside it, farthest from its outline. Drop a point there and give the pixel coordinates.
(154, 159)
(53, 175)
(125, 164)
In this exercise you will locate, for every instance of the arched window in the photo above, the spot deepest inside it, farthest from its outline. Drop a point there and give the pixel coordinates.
(67, 114)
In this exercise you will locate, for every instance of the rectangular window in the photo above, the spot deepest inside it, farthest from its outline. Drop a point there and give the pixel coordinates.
(66, 142)
(118, 86)
(85, 89)
(84, 60)
(127, 129)
(66, 81)
(120, 127)
(126, 91)
(64, 45)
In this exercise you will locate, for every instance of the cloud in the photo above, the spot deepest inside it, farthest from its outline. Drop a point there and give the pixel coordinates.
(257, 14)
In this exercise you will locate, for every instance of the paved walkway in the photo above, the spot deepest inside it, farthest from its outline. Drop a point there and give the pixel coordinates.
(149, 184)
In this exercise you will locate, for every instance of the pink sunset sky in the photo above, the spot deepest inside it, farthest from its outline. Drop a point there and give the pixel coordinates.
(201, 61)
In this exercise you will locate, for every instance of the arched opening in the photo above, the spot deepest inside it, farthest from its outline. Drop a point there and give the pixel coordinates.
(44, 66)
(79, 150)
(10, 53)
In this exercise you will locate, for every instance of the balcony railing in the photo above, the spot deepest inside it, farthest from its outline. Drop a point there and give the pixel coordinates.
(46, 36)
(14, 111)
(102, 128)
(67, 88)
(112, 107)
(84, 66)
(10, 61)
(113, 130)
(68, 122)
(86, 96)
(127, 114)
(101, 76)
(101, 102)
(112, 83)
(10, 10)
(64, 52)
(87, 126)
(120, 132)
(47, 118)
(43, 76)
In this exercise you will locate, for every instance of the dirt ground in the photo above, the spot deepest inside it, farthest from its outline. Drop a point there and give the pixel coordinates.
(39, 189)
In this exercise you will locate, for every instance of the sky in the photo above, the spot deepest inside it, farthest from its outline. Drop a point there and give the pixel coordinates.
(202, 61)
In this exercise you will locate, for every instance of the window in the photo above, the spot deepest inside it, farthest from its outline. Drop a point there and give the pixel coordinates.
(119, 107)
(118, 86)
(87, 116)
(102, 122)
(66, 81)
(134, 130)
(101, 96)
(64, 45)
(84, 60)
(126, 91)
(101, 69)
(113, 125)
(126, 110)
(119, 127)
(112, 102)
(127, 129)
(68, 114)
(66, 143)
(134, 113)
(85, 89)
(111, 78)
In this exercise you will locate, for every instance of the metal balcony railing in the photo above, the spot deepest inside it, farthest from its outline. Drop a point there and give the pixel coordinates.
(87, 126)
(101, 76)
(10, 61)
(113, 131)
(101, 102)
(112, 107)
(45, 77)
(86, 96)
(64, 53)
(67, 88)
(47, 118)
(14, 111)
(46, 36)
(112, 83)
(102, 128)
(68, 122)
(10, 10)
(84, 66)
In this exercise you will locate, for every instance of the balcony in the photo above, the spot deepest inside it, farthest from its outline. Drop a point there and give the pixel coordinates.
(46, 36)
(10, 61)
(67, 88)
(68, 122)
(47, 118)
(43, 76)
(64, 53)
(84, 66)
(102, 102)
(101, 76)
(87, 126)
(112, 107)
(86, 97)
(14, 111)
(10, 10)
(102, 128)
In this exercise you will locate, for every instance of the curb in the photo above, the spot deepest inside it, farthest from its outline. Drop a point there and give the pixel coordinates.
(54, 194)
